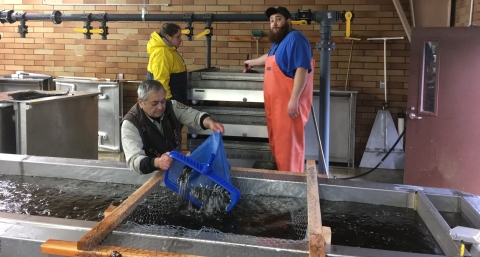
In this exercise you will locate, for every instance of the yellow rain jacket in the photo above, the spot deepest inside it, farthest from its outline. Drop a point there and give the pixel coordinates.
(167, 66)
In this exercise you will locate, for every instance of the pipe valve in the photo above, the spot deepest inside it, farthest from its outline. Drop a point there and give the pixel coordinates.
(188, 31)
(206, 32)
(348, 18)
(91, 31)
(303, 15)
(300, 22)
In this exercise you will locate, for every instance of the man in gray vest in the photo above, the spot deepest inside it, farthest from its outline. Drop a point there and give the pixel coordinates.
(152, 128)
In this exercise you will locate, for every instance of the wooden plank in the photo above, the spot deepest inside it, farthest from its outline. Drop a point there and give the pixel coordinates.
(432, 13)
(108, 224)
(108, 211)
(274, 172)
(327, 235)
(315, 231)
(67, 248)
(265, 39)
(403, 19)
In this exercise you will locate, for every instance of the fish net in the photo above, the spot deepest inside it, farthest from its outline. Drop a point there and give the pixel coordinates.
(270, 219)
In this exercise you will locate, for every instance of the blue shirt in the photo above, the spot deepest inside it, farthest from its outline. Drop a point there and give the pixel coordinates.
(292, 53)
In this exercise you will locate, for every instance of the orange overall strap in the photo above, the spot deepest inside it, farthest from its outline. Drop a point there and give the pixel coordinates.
(286, 135)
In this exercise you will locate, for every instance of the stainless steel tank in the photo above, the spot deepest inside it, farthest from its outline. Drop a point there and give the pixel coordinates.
(110, 107)
(21, 235)
(235, 99)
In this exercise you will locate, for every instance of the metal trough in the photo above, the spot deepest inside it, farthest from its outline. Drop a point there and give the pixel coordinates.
(22, 235)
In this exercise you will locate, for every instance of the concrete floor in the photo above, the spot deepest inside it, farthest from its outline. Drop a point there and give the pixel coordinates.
(378, 175)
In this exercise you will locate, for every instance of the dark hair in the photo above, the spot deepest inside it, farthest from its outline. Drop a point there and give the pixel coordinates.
(147, 87)
(169, 29)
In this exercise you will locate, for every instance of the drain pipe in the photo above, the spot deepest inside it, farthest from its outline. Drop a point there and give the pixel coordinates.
(326, 45)
(208, 26)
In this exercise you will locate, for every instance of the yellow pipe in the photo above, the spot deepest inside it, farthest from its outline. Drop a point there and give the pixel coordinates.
(81, 30)
(205, 32)
(300, 22)
(348, 17)
(93, 31)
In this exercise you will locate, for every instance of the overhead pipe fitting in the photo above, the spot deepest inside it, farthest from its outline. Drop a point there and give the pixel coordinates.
(6, 16)
(188, 29)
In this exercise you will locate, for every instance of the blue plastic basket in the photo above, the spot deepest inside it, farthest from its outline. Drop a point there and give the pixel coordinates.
(210, 166)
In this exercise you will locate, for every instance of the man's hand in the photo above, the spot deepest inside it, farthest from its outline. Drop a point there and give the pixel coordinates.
(213, 125)
(163, 162)
(255, 62)
(299, 82)
(292, 108)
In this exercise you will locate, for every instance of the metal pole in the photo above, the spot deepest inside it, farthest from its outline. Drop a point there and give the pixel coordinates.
(385, 68)
(319, 141)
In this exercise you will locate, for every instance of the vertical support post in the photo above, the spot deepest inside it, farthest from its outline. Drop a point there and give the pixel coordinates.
(325, 19)
(208, 19)
(316, 240)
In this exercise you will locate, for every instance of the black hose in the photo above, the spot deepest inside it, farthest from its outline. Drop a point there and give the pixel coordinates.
(383, 159)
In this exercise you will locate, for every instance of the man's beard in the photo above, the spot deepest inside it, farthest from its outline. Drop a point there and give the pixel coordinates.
(277, 37)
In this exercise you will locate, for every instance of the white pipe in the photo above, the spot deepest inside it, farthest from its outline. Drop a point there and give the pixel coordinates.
(385, 69)
(45, 2)
(385, 59)
(471, 13)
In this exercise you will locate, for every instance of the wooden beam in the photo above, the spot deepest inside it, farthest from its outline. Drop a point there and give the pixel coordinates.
(104, 227)
(265, 39)
(67, 248)
(108, 211)
(327, 235)
(316, 243)
(403, 19)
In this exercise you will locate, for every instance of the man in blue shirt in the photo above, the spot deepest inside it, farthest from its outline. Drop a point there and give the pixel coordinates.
(288, 89)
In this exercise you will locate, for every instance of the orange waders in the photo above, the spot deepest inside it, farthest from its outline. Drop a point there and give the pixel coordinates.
(286, 135)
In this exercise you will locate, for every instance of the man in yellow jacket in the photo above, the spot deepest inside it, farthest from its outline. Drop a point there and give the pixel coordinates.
(165, 64)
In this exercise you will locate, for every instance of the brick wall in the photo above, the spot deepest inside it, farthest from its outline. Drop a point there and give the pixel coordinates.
(58, 51)
(462, 13)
